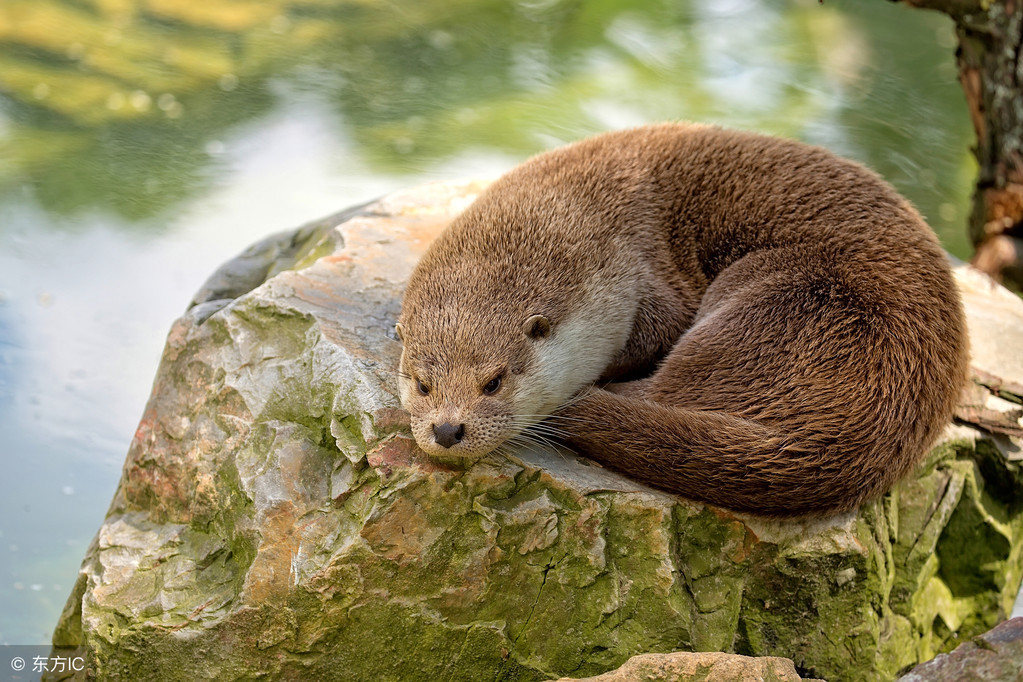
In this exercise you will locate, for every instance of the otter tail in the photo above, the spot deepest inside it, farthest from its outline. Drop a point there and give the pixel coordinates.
(724, 459)
(809, 381)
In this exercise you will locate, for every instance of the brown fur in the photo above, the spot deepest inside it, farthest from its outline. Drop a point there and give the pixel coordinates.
(793, 324)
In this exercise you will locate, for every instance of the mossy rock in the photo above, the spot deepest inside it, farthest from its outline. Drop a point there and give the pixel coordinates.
(275, 519)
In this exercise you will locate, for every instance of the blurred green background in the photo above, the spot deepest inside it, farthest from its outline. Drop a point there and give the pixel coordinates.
(143, 142)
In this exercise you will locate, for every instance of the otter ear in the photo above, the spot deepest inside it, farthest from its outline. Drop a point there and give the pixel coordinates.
(399, 331)
(536, 327)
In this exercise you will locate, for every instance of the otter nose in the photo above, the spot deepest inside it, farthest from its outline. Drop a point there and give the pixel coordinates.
(447, 434)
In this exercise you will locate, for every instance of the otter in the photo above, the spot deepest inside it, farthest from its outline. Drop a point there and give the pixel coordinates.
(734, 318)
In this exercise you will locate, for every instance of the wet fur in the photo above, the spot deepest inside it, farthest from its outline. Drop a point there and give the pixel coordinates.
(784, 327)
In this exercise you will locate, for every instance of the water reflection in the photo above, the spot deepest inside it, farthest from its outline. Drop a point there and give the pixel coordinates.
(142, 142)
(119, 104)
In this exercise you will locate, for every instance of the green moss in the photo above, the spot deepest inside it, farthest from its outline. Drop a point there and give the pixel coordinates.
(536, 581)
(312, 244)
(68, 633)
(510, 569)
(349, 438)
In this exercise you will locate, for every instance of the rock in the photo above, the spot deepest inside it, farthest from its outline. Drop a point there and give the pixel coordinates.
(995, 655)
(274, 517)
(684, 666)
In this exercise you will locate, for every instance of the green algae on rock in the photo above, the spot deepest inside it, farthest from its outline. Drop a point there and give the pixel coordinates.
(274, 517)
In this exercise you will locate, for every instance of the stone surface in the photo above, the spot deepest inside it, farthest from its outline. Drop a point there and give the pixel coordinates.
(994, 656)
(685, 666)
(274, 517)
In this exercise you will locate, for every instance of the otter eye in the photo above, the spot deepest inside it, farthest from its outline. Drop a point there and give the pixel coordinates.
(492, 385)
(422, 388)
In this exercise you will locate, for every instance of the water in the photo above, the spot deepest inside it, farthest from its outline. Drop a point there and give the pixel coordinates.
(142, 144)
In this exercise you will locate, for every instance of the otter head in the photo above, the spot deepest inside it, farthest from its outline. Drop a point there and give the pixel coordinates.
(471, 388)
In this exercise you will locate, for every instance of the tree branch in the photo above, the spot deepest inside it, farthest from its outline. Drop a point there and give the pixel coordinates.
(990, 36)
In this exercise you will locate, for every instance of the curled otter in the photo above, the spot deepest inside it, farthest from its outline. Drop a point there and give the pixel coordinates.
(739, 319)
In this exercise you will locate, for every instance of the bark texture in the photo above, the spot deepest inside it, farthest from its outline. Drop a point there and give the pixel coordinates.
(990, 69)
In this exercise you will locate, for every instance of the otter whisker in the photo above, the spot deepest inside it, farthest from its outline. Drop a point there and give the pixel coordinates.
(547, 429)
(523, 439)
(556, 435)
(543, 417)
(554, 447)
(542, 429)
(577, 420)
